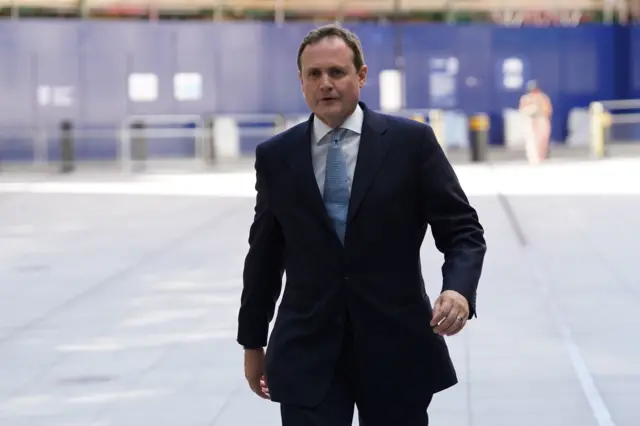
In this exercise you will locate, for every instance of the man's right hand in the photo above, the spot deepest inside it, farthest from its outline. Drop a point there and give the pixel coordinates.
(254, 372)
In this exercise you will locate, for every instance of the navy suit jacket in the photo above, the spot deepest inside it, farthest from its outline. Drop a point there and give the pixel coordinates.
(403, 183)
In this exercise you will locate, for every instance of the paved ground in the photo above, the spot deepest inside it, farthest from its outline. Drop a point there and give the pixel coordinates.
(118, 300)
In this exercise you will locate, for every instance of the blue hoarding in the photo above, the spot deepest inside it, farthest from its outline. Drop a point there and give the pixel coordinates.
(98, 73)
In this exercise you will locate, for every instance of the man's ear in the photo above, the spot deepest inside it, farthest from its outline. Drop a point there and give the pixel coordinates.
(362, 75)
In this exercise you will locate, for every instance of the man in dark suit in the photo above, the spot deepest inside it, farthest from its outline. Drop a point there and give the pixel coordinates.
(343, 204)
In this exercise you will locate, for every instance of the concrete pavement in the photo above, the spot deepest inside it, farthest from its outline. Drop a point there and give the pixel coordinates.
(118, 300)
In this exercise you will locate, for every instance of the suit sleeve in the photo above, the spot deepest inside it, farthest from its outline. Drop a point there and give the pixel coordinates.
(263, 268)
(454, 223)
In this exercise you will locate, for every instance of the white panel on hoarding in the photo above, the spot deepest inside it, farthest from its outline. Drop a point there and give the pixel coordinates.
(187, 86)
(143, 87)
(391, 90)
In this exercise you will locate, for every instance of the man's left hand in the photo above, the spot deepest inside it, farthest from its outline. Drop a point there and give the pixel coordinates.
(450, 313)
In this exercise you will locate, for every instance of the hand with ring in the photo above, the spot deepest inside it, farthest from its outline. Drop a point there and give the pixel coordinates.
(450, 313)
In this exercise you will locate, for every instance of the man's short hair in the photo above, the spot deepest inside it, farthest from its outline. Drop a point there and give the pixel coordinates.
(334, 30)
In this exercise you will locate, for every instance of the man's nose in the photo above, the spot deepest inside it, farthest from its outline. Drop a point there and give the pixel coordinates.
(325, 82)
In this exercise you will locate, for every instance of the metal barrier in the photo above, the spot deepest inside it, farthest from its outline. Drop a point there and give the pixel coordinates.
(243, 132)
(136, 132)
(602, 119)
(141, 140)
(62, 148)
(240, 134)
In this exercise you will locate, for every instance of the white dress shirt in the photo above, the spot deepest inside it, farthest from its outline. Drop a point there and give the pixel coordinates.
(320, 142)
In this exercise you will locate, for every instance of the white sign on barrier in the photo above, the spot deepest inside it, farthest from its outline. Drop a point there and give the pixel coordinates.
(187, 86)
(391, 90)
(58, 96)
(513, 73)
(443, 75)
(143, 87)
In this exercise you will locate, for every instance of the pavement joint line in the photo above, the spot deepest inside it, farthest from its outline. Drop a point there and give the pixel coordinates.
(598, 407)
(467, 352)
(596, 402)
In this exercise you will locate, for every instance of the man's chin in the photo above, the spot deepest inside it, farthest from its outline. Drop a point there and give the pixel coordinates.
(330, 107)
(329, 117)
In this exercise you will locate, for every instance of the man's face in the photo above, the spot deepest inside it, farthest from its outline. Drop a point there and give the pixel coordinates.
(330, 82)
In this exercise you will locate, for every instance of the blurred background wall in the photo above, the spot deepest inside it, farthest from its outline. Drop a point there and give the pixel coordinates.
(97, 63)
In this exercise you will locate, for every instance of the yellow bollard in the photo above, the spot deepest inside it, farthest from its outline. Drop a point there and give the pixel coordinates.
(279, 124)
(418, 117)
(600, 124)
(436, 121)
(479, 137)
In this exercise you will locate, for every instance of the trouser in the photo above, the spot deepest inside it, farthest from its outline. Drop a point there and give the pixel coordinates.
(337, 408)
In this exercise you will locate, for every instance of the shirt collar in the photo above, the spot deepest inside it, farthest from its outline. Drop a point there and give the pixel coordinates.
(353, 123)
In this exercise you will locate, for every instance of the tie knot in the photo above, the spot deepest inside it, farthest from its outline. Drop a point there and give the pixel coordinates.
(338, 134)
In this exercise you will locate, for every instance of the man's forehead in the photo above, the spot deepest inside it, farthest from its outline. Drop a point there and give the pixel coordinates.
(329, 55)
(330, 45)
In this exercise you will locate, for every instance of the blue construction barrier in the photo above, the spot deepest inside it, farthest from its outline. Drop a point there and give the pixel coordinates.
(52, 70)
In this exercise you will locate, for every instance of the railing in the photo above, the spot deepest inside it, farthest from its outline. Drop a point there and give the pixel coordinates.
(141, 141)
(603, 115)
(136, 131)
(198, 142)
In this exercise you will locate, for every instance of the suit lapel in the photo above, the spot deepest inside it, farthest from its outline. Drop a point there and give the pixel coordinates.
(373, 147)
(301, 162)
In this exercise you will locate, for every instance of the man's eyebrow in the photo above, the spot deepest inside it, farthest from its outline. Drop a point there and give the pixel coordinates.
(331, 67)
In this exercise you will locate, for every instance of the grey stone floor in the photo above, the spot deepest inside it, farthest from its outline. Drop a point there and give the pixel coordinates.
(120, 309)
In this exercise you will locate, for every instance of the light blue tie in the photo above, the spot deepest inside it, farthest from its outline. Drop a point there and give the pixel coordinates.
(336, 184)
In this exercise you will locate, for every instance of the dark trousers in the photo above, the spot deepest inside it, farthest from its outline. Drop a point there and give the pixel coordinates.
(337, 408)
